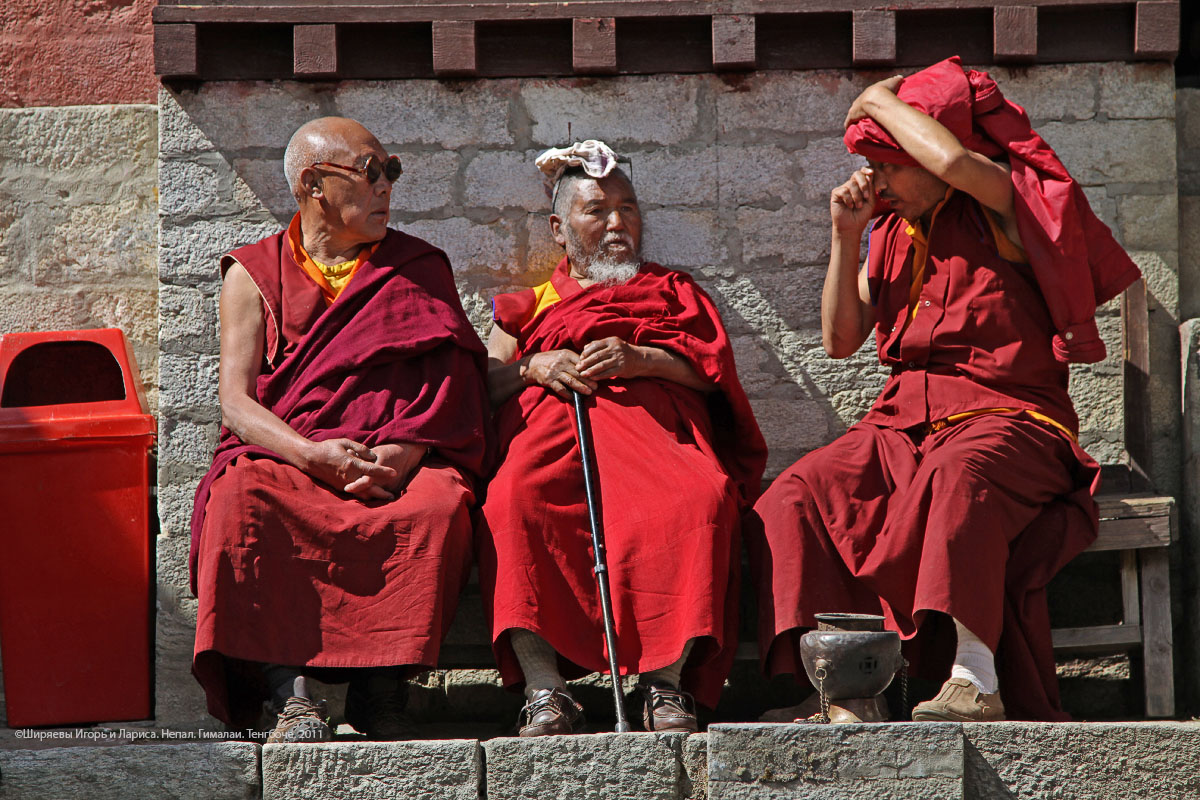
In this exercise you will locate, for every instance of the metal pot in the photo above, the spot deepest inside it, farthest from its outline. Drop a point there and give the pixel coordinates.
(851, 664)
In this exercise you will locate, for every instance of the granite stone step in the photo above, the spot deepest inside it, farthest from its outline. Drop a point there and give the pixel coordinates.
(900, 761)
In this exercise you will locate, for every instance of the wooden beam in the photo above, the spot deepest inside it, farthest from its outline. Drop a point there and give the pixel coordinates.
(1146, 504)
(388, 11)
(1096, 638)
(1131, 602)
(733, 41)
(1014, 33)
(1135, 321)
(454, 48)
(1158, 643)
(594, 45)
(1133, 534)
(874, 38)
(175, 50)
(1156, 32)
(314, 51)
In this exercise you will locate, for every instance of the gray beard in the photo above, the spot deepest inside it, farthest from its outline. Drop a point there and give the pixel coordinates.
(612, 272)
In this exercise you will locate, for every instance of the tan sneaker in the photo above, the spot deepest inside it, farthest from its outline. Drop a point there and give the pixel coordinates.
(960, 701)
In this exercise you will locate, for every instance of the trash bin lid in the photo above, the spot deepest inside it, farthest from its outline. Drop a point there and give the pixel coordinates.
(70, 385)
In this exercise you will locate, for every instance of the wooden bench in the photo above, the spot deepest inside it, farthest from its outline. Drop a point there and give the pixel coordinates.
(1140, 526)
(1133, 521)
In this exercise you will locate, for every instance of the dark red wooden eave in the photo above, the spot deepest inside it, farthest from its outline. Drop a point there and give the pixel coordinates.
(365, 39)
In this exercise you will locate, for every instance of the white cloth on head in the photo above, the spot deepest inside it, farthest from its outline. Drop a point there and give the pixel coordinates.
(596, 158)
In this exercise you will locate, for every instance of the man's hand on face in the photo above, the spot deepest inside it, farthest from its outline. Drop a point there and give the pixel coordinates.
(852, 204)
(352, 467)
(610, 358)
(559, 371)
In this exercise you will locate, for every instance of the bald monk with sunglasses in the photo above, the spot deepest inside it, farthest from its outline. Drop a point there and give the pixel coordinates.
(332, 535)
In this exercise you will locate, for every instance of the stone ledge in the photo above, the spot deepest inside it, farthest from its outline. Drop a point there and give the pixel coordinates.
(416, 770)
(876, 762)
(1081, 760)
(915, 761)
(604, 766)
(900, 761)
(223, 771)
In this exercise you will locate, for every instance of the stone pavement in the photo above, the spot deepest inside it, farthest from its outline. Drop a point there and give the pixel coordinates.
(901, 761)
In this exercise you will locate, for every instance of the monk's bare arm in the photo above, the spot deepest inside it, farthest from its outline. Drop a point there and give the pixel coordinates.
(935, 148)
(507, 374)
(846, 312)
(338, 462)
(615, 358)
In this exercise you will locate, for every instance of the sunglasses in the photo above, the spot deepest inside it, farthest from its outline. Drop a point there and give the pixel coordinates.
(373, 169)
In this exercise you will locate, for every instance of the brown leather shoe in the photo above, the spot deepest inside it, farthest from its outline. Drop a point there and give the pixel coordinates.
(801, 711)
(301, 720)
(666, 709)
(550, 712)
(960, 701)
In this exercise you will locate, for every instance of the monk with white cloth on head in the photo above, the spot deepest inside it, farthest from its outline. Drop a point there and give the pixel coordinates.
(678, 454)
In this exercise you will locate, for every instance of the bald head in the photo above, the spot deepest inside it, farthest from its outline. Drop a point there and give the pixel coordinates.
(326, 139)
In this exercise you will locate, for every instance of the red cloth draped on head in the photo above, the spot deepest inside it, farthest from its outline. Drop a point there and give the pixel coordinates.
(1077, 262)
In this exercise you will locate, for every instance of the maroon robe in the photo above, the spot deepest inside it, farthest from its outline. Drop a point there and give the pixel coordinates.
(290, 571)
(970, 519)
(676, 469)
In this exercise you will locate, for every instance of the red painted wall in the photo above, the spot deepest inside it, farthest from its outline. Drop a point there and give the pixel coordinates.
(76, 52)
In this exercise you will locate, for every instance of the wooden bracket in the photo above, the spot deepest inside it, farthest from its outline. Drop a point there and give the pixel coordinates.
(733, 41)
(314, 51)
(1015, 33)
(594, 45)
(454, 48)
(1156, 32)
(874, 38)
(175, 50)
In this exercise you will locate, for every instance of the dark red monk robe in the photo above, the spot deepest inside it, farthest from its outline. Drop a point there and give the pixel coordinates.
(291, 571)
(676, 468)
(971, 519)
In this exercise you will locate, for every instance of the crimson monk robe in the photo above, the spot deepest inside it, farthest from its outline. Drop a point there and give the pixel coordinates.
(291, 571)
(676, 467)
(964, 489)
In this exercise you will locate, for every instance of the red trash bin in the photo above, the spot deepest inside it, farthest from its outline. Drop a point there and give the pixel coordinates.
(75, 569)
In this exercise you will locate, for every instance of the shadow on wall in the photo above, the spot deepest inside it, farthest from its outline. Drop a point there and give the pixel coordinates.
(733, 179)
(733, 175)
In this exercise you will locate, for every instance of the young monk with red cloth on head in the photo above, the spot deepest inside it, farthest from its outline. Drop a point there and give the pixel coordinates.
(963, 490)
(332, 535)
(678, 454)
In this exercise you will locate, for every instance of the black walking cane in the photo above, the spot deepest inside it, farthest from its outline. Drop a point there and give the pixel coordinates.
(583, 432)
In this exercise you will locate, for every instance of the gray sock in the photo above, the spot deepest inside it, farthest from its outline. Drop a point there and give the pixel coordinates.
(538, 661)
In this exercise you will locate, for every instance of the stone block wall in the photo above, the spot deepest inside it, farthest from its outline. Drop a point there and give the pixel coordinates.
(1188, 132)
(78, 223)
(733, 174)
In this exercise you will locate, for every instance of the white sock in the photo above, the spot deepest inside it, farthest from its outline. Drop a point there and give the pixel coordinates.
(538, 661)
(973, 661)
(670, 673)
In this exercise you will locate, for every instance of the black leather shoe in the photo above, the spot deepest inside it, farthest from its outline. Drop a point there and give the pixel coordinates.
(666, 709)
(380, 713)
(550, 712)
